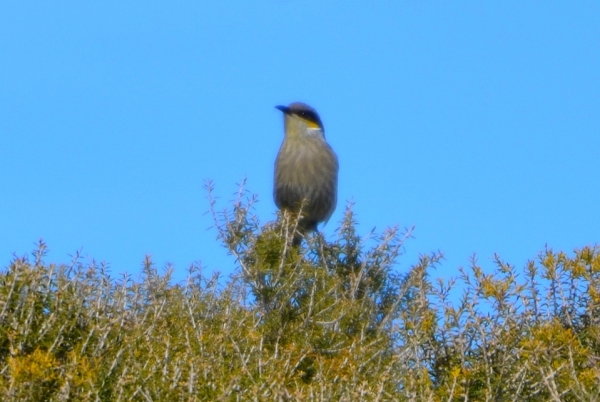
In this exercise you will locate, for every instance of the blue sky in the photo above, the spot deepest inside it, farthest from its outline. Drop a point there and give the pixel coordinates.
(476, 122)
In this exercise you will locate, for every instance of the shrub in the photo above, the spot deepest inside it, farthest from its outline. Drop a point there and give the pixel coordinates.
(333, 320)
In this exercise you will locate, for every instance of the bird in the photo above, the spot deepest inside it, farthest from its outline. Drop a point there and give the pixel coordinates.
(306, 169)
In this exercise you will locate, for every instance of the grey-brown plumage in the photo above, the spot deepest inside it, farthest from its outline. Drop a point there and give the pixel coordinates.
(306, 168)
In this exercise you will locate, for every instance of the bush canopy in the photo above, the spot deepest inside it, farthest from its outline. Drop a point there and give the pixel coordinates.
(330, 320)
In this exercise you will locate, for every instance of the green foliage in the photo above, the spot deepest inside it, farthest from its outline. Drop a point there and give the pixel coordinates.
(331, 320)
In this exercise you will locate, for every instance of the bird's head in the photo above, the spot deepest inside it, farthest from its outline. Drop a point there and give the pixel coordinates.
(301, 119)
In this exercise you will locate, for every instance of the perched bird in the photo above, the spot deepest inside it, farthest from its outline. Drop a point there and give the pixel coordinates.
(306, 169)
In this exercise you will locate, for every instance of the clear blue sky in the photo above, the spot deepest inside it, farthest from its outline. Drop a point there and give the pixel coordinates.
(476, 122)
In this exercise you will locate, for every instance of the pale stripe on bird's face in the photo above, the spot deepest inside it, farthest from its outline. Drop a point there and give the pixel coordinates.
(297, 126)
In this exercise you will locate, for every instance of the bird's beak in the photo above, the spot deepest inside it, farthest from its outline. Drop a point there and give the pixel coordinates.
(284, 109)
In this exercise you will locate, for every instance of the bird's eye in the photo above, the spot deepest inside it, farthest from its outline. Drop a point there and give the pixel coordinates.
(307, 115)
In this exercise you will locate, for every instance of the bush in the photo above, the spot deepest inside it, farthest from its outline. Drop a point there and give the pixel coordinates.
(328, 321)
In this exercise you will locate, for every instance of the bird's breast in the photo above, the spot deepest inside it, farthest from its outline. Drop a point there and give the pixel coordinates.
(306, 162)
